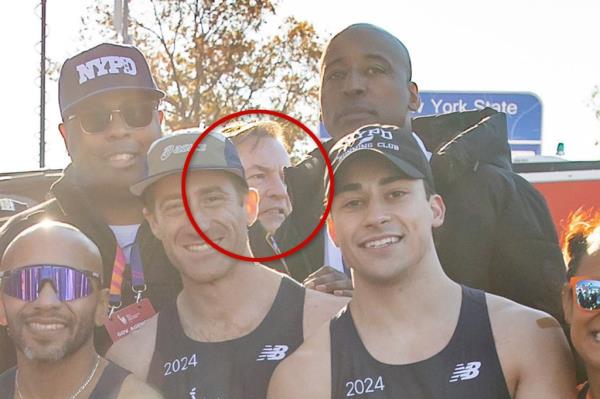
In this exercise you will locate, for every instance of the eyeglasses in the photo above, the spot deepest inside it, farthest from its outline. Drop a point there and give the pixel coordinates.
(136, 115)
(586, 292)
(26, 282)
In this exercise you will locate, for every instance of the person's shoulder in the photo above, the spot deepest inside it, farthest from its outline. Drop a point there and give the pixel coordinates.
(306, 372)
(320, 299)
(319, 308)
(135, 388)
(134, 352)
(505, 315)
(528, 341)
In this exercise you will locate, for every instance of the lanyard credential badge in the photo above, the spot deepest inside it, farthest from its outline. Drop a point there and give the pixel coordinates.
(122, 322)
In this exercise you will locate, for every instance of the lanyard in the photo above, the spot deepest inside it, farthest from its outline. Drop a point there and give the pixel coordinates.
(273, 243)
(138, 285)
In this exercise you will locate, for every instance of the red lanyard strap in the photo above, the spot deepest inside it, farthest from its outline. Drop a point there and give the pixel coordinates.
(137, 275)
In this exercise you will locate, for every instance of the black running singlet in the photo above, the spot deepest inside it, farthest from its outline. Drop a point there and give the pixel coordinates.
(108, 386)
(236, 369)
(468, 367)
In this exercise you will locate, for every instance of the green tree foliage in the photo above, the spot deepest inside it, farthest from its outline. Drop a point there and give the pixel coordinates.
(213, 58)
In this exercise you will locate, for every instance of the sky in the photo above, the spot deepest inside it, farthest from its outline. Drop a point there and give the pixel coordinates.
(549, 48)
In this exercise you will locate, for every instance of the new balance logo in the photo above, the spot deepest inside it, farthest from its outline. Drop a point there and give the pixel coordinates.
(465, 372)
(272, 352)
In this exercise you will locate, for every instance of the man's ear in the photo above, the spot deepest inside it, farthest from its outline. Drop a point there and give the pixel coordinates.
(251, 206)
(567, 302)
(152, 222)
(161, 117)
(414, 100)
(63, 133)
(331, 231)
(438, 209)
(102, 307)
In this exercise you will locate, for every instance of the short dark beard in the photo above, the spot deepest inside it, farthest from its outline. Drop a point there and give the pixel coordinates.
(84, 332)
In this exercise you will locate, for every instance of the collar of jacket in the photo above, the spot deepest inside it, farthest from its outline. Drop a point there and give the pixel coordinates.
(306, 178)
(462, 141)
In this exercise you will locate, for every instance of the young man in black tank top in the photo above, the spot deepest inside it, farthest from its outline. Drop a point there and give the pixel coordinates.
(409, 331)
(51, 300)
(234, 320)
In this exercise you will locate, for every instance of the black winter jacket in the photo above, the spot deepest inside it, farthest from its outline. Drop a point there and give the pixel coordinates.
(498, 234)
(71, 205)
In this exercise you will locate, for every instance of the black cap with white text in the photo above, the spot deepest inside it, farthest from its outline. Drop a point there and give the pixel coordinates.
(396, 145)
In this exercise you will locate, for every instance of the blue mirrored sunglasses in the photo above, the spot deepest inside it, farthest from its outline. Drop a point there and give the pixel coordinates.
(69, 283)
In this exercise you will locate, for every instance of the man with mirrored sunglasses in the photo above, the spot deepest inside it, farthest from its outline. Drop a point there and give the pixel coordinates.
(51, 299)
(109, 107)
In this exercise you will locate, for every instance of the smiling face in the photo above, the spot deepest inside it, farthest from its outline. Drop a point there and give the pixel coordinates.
(365, 80)
(48, 329)
(585, 325)
(220, 209)
(263, 160)
(381, 221)
(112, 159)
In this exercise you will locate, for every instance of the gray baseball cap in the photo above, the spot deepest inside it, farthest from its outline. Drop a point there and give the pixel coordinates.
(167, 155)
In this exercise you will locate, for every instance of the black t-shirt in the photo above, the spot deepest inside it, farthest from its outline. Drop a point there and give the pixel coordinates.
(234, 369)
(468, 367)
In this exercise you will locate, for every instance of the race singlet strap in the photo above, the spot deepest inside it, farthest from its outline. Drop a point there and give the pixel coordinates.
(7, 384)
(110, 382)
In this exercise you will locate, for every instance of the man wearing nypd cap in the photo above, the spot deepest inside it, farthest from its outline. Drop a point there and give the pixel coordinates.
(109, 106)
(409, 330)
(234, 320)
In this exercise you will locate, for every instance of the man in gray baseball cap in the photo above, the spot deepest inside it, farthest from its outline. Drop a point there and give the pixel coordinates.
(234, 320)
(167, 157)
(109, 108)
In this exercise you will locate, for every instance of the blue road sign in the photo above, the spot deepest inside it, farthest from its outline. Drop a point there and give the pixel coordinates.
(523, 112)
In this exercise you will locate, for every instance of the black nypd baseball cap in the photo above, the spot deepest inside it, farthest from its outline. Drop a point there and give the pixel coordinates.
(167, 155)
(396, 145)
(101, 69)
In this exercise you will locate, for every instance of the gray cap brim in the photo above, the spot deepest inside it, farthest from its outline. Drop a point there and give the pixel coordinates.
(139, 188)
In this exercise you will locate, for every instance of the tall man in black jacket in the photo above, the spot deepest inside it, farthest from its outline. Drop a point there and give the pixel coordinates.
(498, 235)
(108, 102)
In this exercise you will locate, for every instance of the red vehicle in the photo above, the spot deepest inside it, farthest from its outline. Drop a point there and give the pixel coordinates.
(22, 190)
(566, 185)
